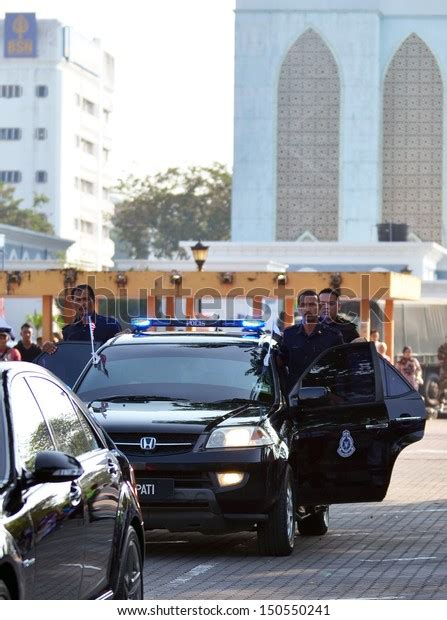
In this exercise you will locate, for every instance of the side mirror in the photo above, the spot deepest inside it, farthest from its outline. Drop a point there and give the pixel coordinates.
(55, 467)
(308, 396)
(98, 406)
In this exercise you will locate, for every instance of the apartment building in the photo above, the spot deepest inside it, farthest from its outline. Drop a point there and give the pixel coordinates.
(56, 91)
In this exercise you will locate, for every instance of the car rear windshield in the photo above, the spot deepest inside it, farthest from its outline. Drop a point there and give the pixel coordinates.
(195, 372)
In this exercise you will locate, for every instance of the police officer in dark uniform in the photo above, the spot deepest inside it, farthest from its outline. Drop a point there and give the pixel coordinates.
(304, 342)
(83, 298)
(329, 300)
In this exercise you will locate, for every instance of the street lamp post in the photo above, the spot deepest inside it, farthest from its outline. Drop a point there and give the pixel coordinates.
(200, 254)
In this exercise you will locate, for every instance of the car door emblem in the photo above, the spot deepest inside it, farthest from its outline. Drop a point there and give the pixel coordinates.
(148, 443)
(346, 446)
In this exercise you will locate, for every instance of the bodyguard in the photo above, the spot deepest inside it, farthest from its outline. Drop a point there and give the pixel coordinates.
(329, 300)
(304, 342)
(83, 297)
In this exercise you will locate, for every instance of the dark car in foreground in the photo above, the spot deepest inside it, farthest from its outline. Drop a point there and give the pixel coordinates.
(217, 446)
(70, 523)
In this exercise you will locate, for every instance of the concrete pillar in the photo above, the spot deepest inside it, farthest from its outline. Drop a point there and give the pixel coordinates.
(389, 327)
(170, 310)
(151, 306)
(289, 308)
(365, 322)
(47, 317)
(189, 311)
(257, 306)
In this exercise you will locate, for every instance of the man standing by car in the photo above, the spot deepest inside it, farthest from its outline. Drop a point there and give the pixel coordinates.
(26, 347)
(329, 313)
(83, 298)
(304, 342)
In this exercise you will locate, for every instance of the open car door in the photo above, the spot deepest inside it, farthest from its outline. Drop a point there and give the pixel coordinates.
(354, 414)
(68, 361)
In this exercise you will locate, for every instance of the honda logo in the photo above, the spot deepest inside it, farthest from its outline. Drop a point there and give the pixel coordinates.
(148, 443)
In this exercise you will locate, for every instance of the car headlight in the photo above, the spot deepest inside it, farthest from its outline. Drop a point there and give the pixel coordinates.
(239, 437)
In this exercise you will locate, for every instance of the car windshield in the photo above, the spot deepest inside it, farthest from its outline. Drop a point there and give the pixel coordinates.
(202, 373)
(3, 446)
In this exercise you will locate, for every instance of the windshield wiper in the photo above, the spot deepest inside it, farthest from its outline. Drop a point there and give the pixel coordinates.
(138, 399)
(230, 401)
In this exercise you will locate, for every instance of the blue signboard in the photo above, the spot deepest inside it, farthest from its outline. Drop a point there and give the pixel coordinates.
(20, 35)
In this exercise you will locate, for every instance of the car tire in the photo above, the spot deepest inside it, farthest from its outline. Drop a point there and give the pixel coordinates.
(276, 536)
(130, 580)
(5, 594)
(316, 524)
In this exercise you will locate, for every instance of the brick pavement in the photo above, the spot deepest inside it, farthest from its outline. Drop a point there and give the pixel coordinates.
(396, 549)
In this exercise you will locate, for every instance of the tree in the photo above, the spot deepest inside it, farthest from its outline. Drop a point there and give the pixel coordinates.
(30, 218)
(158, 211)
(36, 320)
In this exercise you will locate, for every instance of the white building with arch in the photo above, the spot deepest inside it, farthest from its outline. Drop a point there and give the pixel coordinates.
(340, 119)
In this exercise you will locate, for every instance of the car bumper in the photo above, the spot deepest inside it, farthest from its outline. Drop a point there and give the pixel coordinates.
(199, 503)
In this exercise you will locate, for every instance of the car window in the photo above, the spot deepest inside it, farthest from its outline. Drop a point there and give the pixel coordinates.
(205, 372)
(67, 430)
(395, 384)
(348, 372)
(30, 429)
(69, 360)
(91, 437)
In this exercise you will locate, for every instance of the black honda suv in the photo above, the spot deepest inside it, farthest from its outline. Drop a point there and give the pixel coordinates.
(216, 446)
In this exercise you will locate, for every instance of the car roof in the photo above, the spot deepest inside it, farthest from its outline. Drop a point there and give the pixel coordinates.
(16, 367)
(182, 337)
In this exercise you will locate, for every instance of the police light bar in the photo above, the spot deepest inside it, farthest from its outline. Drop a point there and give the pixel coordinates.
(245, 324)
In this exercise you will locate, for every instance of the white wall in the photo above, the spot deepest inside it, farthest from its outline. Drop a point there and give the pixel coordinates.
(16, 311)
(387, 7)
(363, 43)
(262, 42)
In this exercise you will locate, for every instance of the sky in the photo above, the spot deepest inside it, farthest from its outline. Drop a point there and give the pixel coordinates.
(174, 76)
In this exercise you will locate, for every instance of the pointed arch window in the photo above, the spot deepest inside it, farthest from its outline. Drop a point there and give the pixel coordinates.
(412, 141)
(308, 141)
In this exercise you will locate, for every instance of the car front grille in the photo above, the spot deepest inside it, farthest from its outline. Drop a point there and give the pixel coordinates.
(166, 443)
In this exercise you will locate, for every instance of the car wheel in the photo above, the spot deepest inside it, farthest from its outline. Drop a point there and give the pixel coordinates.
(5, 594)
(130, 581)
(277, 535)
(431, 390)
(316, 524)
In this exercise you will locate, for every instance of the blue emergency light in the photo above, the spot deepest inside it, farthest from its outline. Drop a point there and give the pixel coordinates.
(142, 324)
